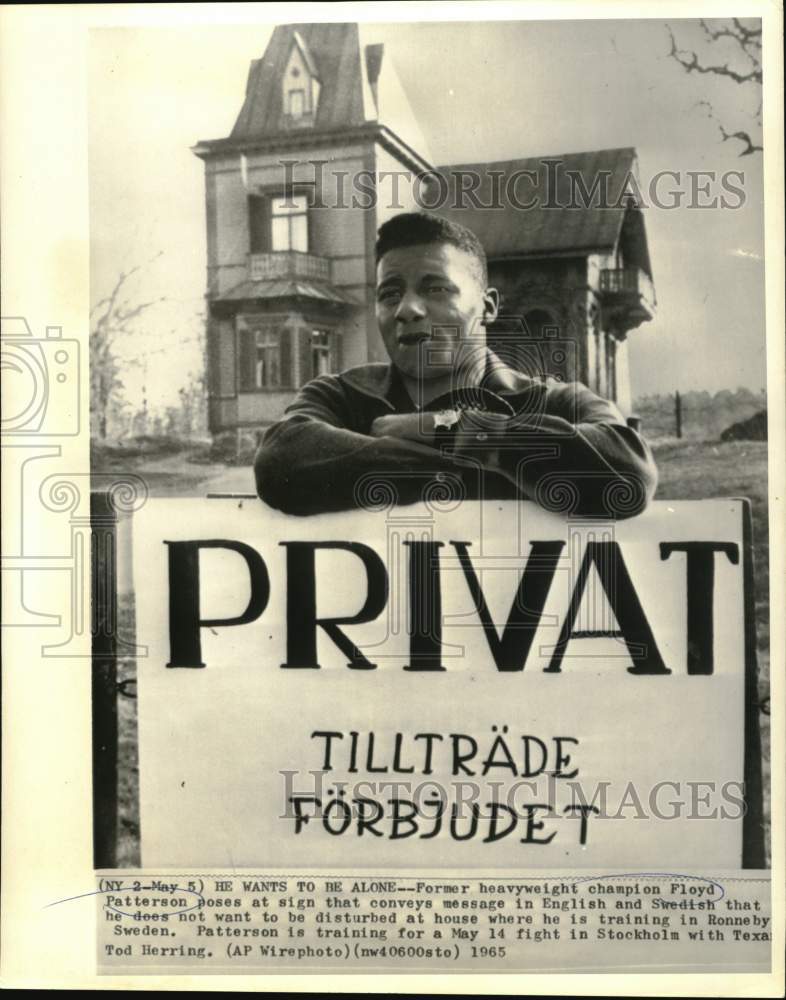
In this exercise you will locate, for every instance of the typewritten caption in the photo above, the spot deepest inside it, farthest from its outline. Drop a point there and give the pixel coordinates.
(301, 923)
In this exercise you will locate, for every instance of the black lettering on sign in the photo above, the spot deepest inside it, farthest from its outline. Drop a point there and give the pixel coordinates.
(510, 650)
(185, 647)
(701, 592)
(302, 618)
(425, 606)
(623, 599)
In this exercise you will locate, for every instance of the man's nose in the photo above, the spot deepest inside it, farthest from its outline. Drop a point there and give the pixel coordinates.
(410, 307)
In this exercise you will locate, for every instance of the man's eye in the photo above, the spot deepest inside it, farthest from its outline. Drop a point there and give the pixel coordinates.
(389, 295)
(438, 288)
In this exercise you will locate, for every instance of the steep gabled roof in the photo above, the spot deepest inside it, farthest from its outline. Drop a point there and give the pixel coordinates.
(306, 53)
(332, 53)
(542, 230)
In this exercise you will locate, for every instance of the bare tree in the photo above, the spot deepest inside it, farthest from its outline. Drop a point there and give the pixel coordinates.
(731, 50)
(110, 319)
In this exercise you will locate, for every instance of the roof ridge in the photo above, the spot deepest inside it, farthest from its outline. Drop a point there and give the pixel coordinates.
(539, 156)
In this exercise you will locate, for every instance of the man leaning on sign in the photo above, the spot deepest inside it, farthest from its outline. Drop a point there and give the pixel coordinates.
(447, 410)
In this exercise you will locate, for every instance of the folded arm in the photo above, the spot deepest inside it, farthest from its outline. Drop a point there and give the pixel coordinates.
(576, 455)
(311, 461)
(573, 454)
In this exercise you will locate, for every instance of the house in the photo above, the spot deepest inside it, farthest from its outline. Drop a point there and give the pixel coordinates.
(324, 149)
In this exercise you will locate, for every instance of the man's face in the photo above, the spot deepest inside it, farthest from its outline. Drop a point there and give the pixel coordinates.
(430, 298)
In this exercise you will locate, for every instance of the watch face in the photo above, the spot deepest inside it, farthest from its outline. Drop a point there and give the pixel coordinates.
(445, 418)
(471, 398)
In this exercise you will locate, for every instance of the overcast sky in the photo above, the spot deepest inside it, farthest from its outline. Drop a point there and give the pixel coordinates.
(482, 91)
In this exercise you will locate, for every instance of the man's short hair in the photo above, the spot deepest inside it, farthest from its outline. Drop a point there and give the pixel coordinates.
(411, 229)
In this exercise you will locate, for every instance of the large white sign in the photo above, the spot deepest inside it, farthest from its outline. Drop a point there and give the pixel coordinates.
(471, 686)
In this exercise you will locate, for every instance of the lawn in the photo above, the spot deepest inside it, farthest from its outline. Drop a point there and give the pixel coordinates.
(699, 470)
(688, 470)
(694, 470)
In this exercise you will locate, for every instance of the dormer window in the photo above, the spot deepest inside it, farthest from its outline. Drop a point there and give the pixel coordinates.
(296, 103)
(300, 83)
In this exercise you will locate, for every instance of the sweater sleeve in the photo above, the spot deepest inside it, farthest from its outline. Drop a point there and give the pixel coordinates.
(571, 451)
(312, 461)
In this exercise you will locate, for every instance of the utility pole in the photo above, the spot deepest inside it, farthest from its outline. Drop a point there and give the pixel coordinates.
(678, 413)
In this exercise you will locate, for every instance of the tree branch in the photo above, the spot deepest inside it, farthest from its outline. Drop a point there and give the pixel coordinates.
(738, 33)
(750, 146)
(690, 62)
(112, 317)
(748, 41)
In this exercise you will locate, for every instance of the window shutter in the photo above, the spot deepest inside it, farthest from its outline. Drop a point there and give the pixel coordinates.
(247, 359)
(285, 348)
(306, 370)
(222, 367)
(213, 360)
(259, 223)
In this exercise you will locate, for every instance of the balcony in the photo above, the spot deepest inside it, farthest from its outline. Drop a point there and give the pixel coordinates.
(287, 264)
(629, 293)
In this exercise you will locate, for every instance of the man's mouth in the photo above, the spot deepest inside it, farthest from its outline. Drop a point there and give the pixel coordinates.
(413, 337)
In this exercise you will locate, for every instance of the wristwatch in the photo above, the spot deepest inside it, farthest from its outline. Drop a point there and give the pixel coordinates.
(445, 425)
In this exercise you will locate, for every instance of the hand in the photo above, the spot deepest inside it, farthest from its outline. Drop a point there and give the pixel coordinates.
(411, 426)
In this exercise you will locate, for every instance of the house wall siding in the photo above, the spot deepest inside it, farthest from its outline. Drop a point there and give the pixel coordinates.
(557, 286)
(396, 186)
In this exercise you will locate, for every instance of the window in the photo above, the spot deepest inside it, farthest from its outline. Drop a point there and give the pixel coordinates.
(296, 103)
(289, 223)
(323, 354)
(267, 373)
(264, 358)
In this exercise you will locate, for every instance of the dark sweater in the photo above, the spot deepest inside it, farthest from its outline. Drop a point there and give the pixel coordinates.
(560, 445)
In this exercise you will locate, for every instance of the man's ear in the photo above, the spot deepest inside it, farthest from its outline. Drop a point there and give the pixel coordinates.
(490, 305)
